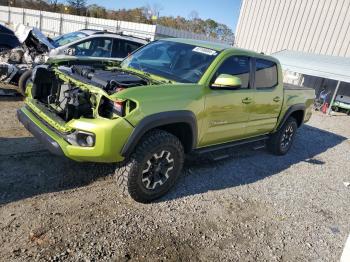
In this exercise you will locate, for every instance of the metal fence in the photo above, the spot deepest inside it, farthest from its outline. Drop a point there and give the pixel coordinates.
(54, 24)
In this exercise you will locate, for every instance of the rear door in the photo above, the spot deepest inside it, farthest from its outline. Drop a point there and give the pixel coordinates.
(122, 48)
(227, 111)
(268, 98)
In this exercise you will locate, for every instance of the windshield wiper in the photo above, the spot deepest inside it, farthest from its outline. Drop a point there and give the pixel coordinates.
(166, 81)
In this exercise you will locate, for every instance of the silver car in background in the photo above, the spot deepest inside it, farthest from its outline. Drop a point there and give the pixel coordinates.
(87, 44)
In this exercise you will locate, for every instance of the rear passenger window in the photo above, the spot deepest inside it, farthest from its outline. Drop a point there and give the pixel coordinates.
(237, 66)
(266, 74)
(123, 48)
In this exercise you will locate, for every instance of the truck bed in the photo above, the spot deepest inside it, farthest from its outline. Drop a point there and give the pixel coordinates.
(298, 95)
(288, 86)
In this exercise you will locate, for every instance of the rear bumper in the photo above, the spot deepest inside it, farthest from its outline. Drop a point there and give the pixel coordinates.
(43, 137)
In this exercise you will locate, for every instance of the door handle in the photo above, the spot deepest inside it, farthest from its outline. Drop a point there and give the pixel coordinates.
(247, 100)
(276, 99)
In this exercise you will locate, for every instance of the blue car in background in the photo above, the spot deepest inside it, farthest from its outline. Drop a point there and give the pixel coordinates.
(8, 39)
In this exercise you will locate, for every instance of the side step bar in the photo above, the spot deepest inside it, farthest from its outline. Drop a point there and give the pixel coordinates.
(204, 150)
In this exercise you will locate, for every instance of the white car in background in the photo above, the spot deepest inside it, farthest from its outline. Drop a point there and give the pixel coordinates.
(101, 45)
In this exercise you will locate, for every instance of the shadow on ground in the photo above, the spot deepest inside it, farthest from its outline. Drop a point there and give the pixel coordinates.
(10, 94)
(33, 171)
(246, 166)
(29, 173)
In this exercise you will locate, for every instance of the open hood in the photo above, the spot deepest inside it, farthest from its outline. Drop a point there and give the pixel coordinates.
(23, 32)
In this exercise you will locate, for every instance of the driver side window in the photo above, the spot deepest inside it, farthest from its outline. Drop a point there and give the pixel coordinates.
(95, 47)
(238, 66)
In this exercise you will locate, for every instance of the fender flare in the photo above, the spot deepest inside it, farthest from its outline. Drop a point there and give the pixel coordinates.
(158, 120)
(291, 110)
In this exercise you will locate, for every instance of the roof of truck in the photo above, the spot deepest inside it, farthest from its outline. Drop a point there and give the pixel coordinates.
(219, 47)
(201, 43)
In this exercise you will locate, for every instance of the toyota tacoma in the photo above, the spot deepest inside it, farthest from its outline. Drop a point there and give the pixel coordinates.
(167, 99)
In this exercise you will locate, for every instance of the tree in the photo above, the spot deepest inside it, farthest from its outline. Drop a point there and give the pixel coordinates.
(77, 7)
(96, 11)
(193, 23)
(152, 11)
(53, 4)
(193, 15)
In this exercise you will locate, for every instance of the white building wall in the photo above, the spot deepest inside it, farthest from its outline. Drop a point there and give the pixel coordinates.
(315, 26)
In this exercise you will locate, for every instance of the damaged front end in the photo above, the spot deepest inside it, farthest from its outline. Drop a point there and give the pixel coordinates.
(83, 91)
(77, 103)
(76, 107)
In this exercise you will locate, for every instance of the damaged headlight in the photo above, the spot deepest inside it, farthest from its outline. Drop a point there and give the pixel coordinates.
(81, 138)
(109, 108)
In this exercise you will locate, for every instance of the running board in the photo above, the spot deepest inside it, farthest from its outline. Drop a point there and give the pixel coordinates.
(204, 150)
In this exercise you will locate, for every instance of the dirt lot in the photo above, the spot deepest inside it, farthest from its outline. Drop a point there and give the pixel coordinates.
(252, 206)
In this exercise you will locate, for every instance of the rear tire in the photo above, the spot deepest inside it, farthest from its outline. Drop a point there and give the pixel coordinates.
(23, 81)
(153, 168)
(281, 141)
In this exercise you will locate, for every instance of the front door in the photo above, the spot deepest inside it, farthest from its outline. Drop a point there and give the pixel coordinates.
(227, 111)
(95, 48)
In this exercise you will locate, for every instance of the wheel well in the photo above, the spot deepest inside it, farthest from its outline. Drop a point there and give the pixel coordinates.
(299, 116)
(182, 131)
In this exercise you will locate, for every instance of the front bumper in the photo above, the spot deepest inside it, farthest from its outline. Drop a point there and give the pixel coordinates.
(110, 136)
(43, 137)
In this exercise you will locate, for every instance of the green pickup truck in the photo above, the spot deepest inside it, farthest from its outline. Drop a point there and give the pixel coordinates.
(169, 98)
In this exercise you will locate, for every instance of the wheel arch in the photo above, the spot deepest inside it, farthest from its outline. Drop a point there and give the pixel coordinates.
(181, 123)
(22, 81)
(297, 111)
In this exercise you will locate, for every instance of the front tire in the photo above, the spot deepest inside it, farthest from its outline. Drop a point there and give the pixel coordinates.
(153, 168)
(281, 141)
(23, 81)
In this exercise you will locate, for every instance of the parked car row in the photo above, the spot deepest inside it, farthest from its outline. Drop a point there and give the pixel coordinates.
(31, 47)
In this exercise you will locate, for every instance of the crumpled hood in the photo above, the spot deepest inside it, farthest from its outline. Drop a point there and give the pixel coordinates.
(22, 32)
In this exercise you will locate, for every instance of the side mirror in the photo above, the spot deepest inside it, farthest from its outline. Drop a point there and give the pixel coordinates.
(69, 51)
(225, 81)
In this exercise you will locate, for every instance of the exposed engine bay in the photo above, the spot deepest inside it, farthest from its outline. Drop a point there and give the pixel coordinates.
(110, 81)
(33, 50)
(72, 102)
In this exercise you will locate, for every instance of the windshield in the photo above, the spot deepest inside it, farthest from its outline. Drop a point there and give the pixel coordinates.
(67, 38)
(175, 61)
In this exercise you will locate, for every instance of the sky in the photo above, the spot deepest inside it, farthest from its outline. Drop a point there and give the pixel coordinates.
(223, 11)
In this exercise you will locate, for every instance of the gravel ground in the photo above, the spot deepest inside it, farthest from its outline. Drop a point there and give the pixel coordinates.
(252, 206)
